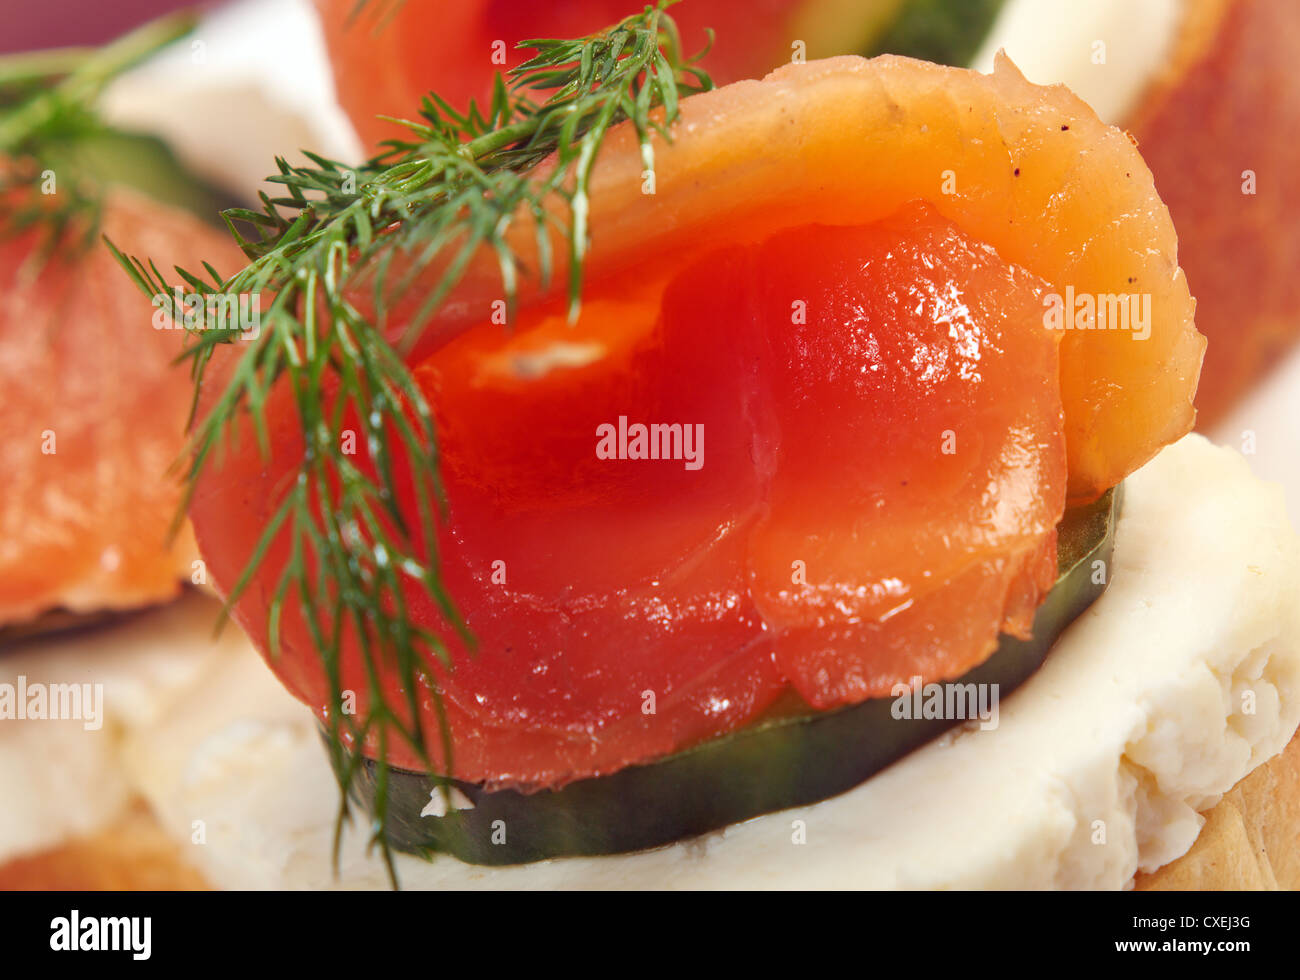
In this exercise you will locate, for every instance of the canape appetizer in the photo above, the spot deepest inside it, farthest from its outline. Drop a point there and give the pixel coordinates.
(626, 459)
(92, 415)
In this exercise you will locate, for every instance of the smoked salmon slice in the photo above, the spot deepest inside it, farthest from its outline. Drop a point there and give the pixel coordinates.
(837, 293)
(92, 412)
(385, 56)
(1024, 168)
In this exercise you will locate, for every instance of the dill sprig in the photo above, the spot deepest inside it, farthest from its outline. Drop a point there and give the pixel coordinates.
(453, 190)
(47, 112)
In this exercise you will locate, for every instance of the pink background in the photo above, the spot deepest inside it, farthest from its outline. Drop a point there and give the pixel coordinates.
(29, 24)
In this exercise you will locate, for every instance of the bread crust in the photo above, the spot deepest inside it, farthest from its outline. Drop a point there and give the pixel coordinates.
(131, 854)
(1251, 838)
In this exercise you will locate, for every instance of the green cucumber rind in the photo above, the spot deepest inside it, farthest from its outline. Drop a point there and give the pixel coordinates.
(946, 32)
(788, 762)
(146, 165)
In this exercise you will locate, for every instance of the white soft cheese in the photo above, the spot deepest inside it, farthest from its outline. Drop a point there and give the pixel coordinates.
(1265, 426)
(1097, 768)
(61, 778)
(1106, 51)
(251, 82)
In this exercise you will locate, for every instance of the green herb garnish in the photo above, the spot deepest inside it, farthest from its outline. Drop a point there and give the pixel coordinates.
(52, 141)
(452, 190)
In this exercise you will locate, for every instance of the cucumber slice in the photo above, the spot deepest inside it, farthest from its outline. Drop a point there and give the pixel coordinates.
(947, 32)
(772, 765)
(144, 163)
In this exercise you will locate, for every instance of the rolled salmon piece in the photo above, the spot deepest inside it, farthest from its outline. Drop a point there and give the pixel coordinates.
(842, 361)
